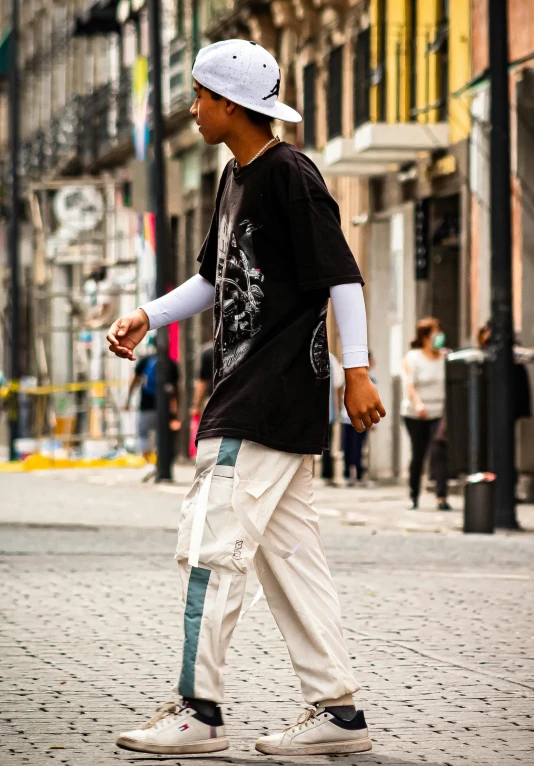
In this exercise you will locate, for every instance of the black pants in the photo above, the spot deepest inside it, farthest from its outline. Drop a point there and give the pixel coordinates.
(328, 464)
(422, 434)
(353, 442)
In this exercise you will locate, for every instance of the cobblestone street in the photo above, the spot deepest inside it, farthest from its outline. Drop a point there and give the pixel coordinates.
(440, 627)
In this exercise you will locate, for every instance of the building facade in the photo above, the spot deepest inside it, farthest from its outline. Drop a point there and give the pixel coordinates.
(521, 68)
(387, 123)
(395, 104)
(373, 79)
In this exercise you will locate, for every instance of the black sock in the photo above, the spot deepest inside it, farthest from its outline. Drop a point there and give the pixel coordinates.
(204, 707)
(345, 712)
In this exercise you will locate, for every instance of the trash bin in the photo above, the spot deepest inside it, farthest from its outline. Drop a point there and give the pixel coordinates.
(467, 406)
(467, 411)
(479, 503)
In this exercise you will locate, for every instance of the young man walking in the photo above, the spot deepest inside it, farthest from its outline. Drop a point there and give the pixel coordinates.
(273, 256)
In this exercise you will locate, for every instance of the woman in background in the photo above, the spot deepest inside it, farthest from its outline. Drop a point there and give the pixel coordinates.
(424, 405)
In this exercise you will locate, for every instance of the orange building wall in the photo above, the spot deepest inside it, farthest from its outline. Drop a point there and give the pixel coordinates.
(520, 31)
(521, 44)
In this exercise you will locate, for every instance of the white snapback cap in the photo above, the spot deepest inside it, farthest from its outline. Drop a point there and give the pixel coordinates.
(244, 73)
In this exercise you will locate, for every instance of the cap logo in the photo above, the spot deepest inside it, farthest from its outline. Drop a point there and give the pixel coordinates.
(274, 92)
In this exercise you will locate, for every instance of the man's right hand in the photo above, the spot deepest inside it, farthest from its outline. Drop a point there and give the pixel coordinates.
(126, 333)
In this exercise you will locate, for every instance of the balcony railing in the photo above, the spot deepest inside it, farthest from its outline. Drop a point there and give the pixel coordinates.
(104, 120)
(87, 135)
(86, 129)
(68, 129)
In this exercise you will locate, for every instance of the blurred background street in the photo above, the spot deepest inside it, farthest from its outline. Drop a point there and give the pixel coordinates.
(419, 114)
(439, 626)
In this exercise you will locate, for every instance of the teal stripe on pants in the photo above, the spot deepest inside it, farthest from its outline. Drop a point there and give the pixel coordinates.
(194, 609)
(196, 593)
(228, 451)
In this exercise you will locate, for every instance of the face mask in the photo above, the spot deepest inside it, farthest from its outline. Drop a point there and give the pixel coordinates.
(439, 340)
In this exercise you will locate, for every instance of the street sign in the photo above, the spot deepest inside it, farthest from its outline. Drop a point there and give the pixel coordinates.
(421, 239)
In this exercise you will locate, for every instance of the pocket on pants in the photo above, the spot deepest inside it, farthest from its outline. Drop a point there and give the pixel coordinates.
(210, 528)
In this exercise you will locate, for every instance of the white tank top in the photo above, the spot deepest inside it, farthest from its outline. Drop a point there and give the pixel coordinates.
(428, 378)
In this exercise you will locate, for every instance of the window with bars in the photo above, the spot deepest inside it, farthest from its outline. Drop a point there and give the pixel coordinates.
(310, 79)
(335, 92)
(362, 72)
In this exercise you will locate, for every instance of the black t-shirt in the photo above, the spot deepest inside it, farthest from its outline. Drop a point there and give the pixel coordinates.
(148, 398)
(206, 367)
(274, 248)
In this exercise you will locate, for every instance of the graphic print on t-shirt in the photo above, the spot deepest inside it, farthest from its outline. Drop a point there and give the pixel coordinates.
(319, 347)
(238, 296)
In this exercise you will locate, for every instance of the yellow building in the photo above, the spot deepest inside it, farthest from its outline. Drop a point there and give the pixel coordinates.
(378, 81)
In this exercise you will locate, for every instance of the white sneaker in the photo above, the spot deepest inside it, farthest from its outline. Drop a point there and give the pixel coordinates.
(176, 730)
(318, 732)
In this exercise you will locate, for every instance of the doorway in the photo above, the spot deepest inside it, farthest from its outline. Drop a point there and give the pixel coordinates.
(444, 298)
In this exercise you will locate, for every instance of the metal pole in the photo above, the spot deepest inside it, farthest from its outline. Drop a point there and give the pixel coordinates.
(501, 410)
(13, 221)
(164, 467)
(398, 94)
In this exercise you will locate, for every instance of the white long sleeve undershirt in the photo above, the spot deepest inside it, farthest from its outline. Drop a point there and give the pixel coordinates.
(351, 319)
(190, 298)
(197, 295)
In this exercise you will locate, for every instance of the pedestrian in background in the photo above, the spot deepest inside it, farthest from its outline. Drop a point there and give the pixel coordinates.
(520, 381)
(145, 378)
(203, 391)
(337, 380)
(423, 407)
(352, 443)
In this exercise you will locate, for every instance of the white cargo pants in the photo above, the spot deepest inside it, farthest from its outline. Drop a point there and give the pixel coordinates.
(254, 505)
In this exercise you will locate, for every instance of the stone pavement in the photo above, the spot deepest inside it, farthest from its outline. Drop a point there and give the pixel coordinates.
(440, 627)
(118, 497)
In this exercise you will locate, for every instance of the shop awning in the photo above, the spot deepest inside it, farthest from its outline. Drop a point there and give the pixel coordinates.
(99, 19)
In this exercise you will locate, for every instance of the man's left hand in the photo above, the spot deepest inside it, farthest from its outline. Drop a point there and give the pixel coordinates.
(361, 399)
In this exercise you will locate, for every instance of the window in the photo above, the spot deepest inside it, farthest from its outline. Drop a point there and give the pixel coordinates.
(362, 63)
(195, 27)
(443, 66)
(310, 77)
(180, 18)
(335, 92)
